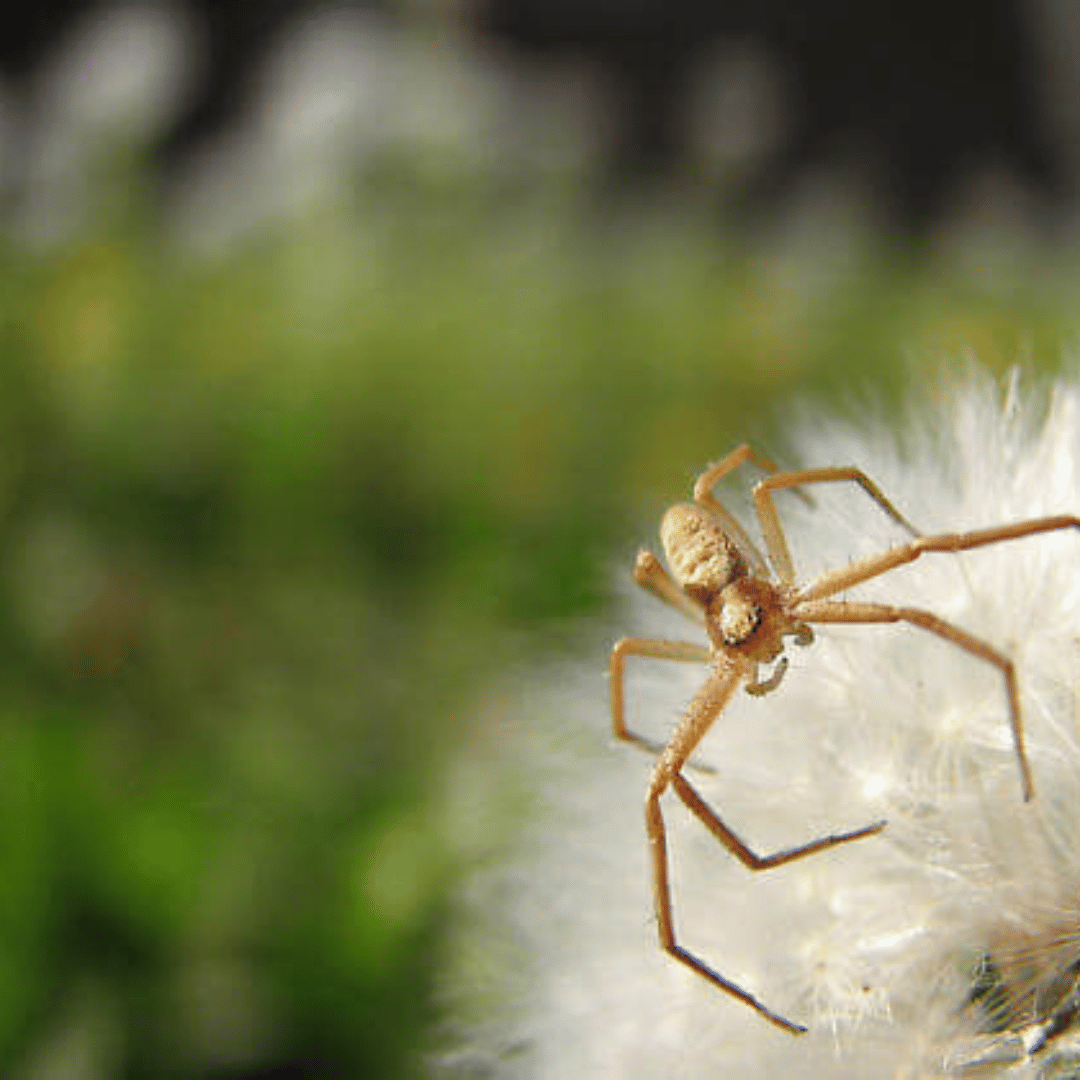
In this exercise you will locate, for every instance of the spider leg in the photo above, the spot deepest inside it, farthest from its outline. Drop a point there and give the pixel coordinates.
(773, 532)
(730, 524)
(650, 574)
(700, 716)
(655, 649)
(739, 456)
(752, 861)
(839, 611)
(855, 573)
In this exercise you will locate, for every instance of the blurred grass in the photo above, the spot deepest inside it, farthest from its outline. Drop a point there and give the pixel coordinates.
(271, 522)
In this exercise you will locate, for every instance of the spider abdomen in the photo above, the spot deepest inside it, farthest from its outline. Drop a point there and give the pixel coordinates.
(701, 556)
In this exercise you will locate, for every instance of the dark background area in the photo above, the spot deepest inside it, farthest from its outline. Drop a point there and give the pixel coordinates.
(923, 88)
(922, 91)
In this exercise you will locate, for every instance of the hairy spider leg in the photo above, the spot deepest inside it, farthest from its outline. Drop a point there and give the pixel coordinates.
(651, 648)
(847, 577)
(728, 522)
(703, 711)
(855, 573)
(839, 611)
(776, 541)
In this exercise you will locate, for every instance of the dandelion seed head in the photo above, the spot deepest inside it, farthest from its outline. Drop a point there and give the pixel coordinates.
(940, 947)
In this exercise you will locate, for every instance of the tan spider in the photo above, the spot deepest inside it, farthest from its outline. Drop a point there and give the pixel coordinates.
(722, 580)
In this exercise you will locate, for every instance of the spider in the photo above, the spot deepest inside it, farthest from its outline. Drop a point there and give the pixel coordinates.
(720, 579)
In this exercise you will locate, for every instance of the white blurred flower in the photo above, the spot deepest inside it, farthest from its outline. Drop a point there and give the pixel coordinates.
(117, 79)
(349, 93)
(948, 945)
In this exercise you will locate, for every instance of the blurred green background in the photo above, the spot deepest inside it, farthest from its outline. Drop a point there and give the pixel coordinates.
(275, 518)
(272, 523)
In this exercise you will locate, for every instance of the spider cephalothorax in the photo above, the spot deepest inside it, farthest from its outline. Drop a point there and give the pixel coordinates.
(747, 618)
(720, 579)
(742, 613)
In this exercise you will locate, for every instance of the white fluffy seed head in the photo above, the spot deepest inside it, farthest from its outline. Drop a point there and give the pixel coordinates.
(877, 946)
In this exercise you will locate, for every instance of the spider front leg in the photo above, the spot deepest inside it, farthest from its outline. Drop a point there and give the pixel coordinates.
(855, 573)
(703, 495)
(838, 611)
